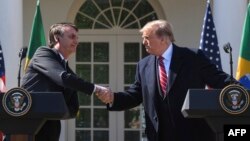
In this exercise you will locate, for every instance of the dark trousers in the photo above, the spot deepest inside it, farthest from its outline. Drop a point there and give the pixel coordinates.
(50, 131)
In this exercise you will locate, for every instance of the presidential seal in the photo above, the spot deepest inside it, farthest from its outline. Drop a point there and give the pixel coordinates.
(17, 102)
(234, 99)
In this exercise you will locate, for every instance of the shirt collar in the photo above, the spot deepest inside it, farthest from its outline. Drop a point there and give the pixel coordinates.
(62, 56)
(168, 53)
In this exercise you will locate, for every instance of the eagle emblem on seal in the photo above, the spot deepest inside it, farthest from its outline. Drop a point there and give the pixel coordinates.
(17, 102)
(235, 100)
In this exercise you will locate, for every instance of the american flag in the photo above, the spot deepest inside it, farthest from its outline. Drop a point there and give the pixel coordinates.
(2, 71)
(209, 42)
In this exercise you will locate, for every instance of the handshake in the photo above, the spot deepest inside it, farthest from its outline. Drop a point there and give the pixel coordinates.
(104, 94)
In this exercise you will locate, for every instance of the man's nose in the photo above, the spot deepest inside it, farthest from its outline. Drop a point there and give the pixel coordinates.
(144, 42)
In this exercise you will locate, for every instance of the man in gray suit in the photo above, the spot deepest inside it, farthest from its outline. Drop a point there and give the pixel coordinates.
(161, 87)
(48, 71)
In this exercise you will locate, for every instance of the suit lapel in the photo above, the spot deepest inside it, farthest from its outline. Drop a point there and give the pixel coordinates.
(152, 85)
(59, 58)
(150, 75)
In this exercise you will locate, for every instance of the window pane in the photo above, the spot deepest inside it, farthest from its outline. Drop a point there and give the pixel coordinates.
(132, 136)
(143, 8)
(133, 26)
(84, 71)
(83, 52)
(83, 98)
(98, 14)
(103, 23)
(108, 14)
(101, 74)
(131, 52)
(116, 14)
(116, 2)
(132, 118)
(83, 118)
(101, 118)
(83, 22)
(129, 20)
(101, 52)
(124, 14)
(90, 9)
(83, 135)
(150, 17)
(103, 4)
(101, 136)
(129, 73)
(129, 4)
(100, 26)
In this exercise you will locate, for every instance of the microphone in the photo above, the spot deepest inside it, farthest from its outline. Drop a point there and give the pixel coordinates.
(228, 49)
(22, 52)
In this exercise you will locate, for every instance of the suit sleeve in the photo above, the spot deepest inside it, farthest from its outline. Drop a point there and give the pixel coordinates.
(46, 62)
(132, 97)
(214, 77)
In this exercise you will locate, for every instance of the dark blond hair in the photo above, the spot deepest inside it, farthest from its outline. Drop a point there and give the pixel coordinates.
(58, 30)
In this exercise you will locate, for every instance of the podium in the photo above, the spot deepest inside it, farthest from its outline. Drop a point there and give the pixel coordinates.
(45, 106)
(205, 104)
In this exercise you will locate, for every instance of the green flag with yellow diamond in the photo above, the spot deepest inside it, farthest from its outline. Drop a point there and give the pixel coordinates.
(37, 37)
(243, 69)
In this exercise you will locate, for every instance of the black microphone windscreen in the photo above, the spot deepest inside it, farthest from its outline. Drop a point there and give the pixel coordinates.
(227, 48)
(23, 52)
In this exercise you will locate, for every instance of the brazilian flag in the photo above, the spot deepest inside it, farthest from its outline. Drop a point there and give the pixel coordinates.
(37, 37)
(243, 69)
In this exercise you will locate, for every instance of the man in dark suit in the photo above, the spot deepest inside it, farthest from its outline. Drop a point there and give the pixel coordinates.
(161, 87)
(48, 71)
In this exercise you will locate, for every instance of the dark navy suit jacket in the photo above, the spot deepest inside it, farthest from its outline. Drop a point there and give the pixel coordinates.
(188, 69)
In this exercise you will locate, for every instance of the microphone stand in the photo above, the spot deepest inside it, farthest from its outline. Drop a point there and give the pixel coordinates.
(19, 72)
(22, 54)
(228, 49)
(231, 64)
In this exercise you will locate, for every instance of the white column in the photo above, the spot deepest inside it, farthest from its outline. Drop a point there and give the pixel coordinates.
(229, 17)
(11, 37)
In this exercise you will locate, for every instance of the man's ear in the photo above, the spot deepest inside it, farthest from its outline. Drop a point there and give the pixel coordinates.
(56, 38)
